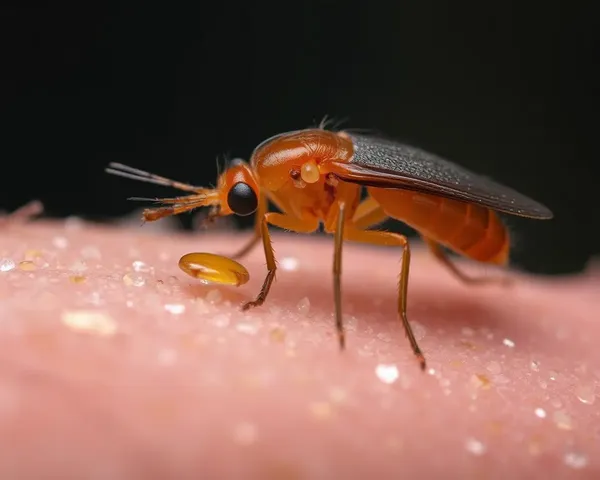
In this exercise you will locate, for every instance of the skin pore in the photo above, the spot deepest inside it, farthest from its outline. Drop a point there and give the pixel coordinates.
(116, 364)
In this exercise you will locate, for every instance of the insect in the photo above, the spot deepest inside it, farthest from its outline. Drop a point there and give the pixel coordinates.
(317, 177)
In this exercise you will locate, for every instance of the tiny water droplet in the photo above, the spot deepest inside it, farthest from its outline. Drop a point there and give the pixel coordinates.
(553, 375)
(141, 267)
(575, 460)
(494, 367)
(586, 393)
(540, 412)
(350, 322)
(475, 447)
(289, 264)
(303, 306)
(508, 342)
(133, 280)
(247, 328)
(95, 298)
(74, 223)
(535, 365)
(563, 420)
(387, 373)
(60, 242)
(79, 266)
(6, 265)
(214, 296)
(90, 321)
(175, 308)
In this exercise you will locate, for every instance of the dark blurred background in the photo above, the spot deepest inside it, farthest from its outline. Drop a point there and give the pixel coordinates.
(504, 88)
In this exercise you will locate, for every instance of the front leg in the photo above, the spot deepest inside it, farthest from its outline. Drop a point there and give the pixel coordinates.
(256, 230)
(286, 222)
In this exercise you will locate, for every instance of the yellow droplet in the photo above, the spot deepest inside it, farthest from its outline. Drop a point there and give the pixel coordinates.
(27, 265)
(77, 278)
(213, 268)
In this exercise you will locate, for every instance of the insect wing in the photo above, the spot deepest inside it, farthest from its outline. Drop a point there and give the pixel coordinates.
(387, 164)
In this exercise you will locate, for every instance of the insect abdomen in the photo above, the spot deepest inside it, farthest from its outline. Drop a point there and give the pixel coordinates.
(471, 230)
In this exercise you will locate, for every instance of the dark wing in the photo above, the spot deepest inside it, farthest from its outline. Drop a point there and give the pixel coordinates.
(387, 164)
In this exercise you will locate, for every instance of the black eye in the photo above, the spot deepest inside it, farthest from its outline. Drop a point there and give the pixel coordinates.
(242, 199)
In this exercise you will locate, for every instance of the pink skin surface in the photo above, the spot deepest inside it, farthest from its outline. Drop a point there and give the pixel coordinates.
(112, 369)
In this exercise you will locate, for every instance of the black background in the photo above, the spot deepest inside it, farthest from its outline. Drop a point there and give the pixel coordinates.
(504, 88)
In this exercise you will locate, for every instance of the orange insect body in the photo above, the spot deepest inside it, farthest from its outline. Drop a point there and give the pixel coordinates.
(317, 177)
(473, 231)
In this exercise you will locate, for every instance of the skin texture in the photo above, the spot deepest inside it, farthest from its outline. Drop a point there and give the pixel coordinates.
(109, 372)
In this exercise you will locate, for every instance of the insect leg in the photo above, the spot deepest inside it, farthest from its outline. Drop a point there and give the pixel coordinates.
(441, 255)
(337, 273)
(256, 234)
(368, 214)
(393, 239)
(286, 222)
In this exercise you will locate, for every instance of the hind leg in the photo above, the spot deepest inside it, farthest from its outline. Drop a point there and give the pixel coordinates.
(443, 257)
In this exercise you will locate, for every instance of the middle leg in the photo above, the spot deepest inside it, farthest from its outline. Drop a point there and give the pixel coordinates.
(389, 239)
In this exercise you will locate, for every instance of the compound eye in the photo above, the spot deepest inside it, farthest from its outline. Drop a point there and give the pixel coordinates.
(242, 199)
